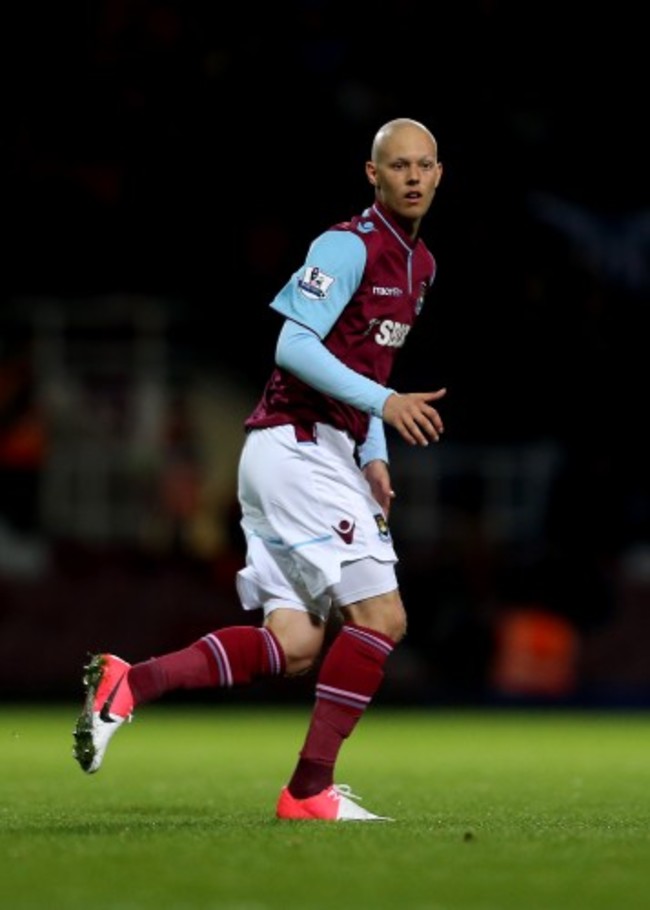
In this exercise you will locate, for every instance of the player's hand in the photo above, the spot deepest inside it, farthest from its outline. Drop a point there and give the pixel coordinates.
(413, 417)
(377, 474)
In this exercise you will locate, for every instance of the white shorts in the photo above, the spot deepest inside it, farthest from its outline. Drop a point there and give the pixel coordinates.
(316, 537)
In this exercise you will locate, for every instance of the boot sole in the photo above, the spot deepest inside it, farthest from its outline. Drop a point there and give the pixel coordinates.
(84, 748)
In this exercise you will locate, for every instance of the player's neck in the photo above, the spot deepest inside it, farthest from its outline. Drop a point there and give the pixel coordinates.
(409, 226)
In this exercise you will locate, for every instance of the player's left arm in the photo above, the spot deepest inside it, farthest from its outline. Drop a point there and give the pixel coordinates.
(373, 460)
(374, 447)
(377, 474)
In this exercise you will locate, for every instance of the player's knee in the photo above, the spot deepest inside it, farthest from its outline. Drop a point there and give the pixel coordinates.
(300, 636)
(396, 627)
(300, 653)
(385, 614)
(297, 664)
(392, 624)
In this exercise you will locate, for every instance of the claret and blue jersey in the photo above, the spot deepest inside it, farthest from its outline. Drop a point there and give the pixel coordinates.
(360, 290)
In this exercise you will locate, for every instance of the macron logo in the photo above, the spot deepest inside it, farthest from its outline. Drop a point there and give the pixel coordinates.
(345, 530)
(386, 292)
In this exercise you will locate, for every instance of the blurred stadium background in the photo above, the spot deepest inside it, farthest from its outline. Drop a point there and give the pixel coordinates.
(164, 166)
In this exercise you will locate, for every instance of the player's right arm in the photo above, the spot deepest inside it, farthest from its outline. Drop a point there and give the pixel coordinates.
(301, 352)
(312, 301)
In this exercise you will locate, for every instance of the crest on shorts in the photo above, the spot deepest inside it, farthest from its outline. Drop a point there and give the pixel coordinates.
(382, 527)
(314, 284)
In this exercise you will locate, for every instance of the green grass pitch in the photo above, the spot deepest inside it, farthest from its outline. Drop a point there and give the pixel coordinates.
(537, 810)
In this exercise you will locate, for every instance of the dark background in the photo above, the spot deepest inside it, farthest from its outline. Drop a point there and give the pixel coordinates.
(185, 153)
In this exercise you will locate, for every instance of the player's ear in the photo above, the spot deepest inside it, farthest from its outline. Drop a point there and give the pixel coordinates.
(371, 172)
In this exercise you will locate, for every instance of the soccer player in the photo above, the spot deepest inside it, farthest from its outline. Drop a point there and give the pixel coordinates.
(314, 488)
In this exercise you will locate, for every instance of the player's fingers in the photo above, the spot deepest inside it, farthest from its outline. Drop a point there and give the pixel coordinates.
(435, 418)
(427, 421)
(385, 501)
(408, 436)
(418, 430)
(428, 429)
(434, 396)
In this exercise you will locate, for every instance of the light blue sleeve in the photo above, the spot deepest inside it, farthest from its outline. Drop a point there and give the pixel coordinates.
(301, 352)
(318, 292)
(374, 446)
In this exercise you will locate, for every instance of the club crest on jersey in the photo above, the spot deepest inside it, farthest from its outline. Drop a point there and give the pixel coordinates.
(314, 284)
(382, 527)
(419, 303)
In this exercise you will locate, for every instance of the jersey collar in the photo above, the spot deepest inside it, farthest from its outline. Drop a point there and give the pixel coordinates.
(384, 216)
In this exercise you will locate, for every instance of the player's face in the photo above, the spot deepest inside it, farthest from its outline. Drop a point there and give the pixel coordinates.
(406, 173)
